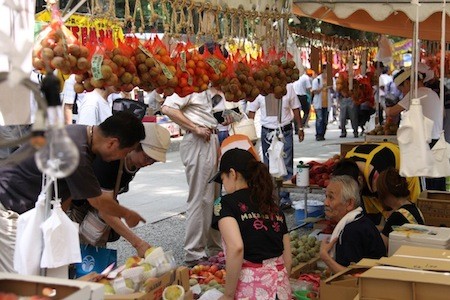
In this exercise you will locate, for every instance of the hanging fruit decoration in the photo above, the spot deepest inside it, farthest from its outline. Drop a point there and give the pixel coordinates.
(148, 65)
(57, 48)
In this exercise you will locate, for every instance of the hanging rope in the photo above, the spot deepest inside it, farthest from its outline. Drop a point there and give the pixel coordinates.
(138, 9)
(201, 29)
(166, 16)
(173, 19)
(182, 23)
(128, 17)
(190, 19)
(153, 15)
(217, 32)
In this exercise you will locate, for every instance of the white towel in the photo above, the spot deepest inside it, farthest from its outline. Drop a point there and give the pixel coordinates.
(348, 218)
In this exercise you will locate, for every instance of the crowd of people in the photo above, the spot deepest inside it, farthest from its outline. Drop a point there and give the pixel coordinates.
(365, 199)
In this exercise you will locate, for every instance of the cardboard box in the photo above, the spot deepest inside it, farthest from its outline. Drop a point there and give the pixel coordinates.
(435, 207)
(66, 289)
(411, 273)
(419, 236)
(410, 257)
(371, 138)
(384, 282)
(346, 147)
(344, 285)
(156, 286)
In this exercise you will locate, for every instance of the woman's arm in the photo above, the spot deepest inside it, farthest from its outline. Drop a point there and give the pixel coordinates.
(234, 246)
(287, 255)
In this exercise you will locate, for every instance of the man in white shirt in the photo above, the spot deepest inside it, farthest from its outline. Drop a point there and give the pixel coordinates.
(270, 123)
(302, 87)
(96, 106)
(383, 82)
(321, 91)
(199, 155)
(70, 99)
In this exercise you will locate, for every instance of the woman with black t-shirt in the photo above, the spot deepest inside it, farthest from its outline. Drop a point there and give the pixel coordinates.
(394, 195)
(254, 230)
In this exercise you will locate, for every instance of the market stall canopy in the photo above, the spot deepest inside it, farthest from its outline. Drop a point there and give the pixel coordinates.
(385, 17)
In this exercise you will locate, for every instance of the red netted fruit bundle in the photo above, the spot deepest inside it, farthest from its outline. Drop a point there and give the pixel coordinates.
(111, 65)
(236, 84)
(57, 48)
(155, 67)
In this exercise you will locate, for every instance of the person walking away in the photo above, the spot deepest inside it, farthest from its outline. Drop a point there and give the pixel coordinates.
(269, 125)
(383, 82)
(302, 87)
(254, 230)
(348, 110)
(320, 90)
(71, 100)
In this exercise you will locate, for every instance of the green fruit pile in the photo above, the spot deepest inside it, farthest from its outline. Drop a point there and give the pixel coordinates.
(303, 248)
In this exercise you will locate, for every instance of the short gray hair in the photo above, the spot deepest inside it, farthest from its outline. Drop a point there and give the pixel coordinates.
(350, 188)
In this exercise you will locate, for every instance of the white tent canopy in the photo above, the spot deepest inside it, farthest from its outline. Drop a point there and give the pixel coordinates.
(385, 17)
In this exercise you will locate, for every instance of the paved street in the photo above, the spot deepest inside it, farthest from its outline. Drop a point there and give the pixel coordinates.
(159, 192)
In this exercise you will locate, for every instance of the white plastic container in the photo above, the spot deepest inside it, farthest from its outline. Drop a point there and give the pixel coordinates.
(302, 178)
(423, 236)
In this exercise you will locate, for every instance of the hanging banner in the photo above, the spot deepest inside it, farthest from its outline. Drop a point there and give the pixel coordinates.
(85, 27)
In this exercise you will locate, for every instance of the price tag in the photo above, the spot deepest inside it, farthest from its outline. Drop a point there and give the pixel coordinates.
(96, 68)
(165, 70)
(146, 52)
(213, 62)
(183, 61)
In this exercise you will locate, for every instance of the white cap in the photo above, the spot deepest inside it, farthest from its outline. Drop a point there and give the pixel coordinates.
(156, 142)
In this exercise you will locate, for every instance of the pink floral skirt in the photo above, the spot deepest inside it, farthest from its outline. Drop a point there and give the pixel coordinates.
(264, 281)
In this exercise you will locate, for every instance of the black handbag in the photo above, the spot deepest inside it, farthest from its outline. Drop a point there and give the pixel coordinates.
(139, 109)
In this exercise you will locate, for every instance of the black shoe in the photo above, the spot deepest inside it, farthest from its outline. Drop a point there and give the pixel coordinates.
(320, 138)
(343, 135)
(355, 135)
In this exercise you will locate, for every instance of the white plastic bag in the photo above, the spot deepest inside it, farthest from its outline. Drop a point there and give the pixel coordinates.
(27, 252)
(277, 167)
(61, 241)
(441, 155)
(413, 137)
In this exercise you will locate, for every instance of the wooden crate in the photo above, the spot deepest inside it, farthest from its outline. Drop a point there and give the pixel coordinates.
(305, 267)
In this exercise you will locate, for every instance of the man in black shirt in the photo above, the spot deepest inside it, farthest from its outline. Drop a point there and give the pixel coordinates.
(355, 236)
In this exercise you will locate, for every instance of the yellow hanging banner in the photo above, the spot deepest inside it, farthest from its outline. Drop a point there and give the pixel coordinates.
(87, 28)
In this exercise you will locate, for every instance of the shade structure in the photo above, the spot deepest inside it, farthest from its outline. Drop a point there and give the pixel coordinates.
(384, 17)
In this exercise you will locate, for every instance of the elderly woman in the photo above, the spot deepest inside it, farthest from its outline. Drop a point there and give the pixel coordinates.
(394, 195)
(355, 236)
